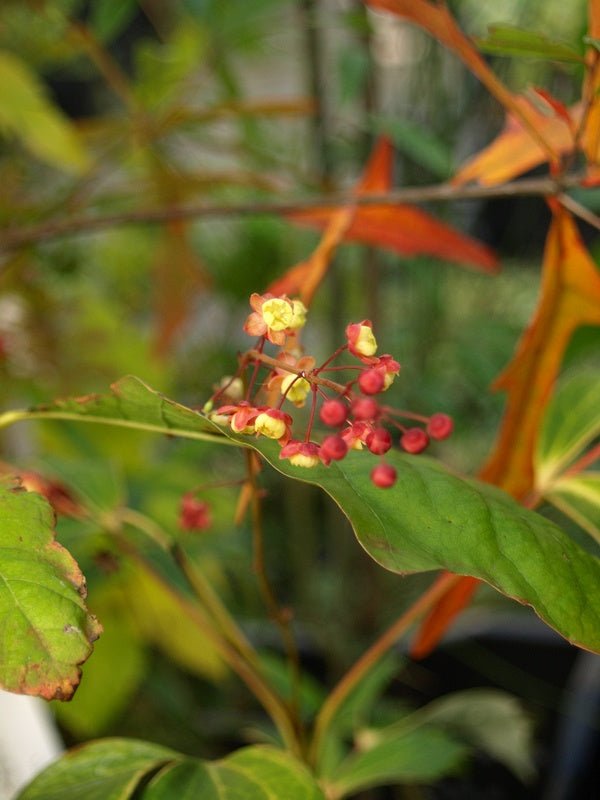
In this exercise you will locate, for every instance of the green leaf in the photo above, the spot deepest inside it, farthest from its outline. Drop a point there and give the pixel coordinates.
(108, 18)
(490, 720)
(254, 773)
(417, 756)
(113, 769)
(571, 422)
(46, 629)
(431, 519)
(160, 619)
(110, 769)
(592, 42)
(506, 40)
(579, 498)
(131, 404)
(27, 114)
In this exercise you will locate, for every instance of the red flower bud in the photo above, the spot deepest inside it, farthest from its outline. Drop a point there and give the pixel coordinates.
(379, 441)
(371, 381)
(333, 448)
(365, 408)
(194, 514)
(440, 426)
(414, 440)
(383, 475)
(333, 413)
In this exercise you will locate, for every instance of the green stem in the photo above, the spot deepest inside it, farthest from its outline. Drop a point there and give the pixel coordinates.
(196, 581)
(217, 625)
(370, 657)
(279, 615)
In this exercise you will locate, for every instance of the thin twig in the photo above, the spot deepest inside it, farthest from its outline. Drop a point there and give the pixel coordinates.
(279, 615)
(309, 375)
(580, 211)
(12, 238)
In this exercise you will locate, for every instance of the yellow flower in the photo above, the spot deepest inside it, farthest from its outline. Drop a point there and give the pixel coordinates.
(274, 427)
(295, 389)
(277, 313)
(299, 311)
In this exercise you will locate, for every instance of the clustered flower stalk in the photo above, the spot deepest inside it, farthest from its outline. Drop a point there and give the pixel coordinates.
(257, 404)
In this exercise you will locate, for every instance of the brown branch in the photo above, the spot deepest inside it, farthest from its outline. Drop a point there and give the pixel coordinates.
(13, 238)
(579, 211)
(309, 375)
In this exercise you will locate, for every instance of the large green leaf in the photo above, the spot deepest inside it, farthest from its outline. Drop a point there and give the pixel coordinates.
(423, 755)
(110, 769)
(571, 422)
(487, 719)
(131, 404)
(578, 497)
(114, 769)
(254, 773)
(430, 520)
(45, 629)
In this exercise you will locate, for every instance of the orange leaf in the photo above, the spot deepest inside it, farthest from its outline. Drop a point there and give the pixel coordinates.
(442, 615)
(569, 298)
(514, 151)
(405, 230)
(437, 20)
(401, 228)
(304, 278)
(179, 276)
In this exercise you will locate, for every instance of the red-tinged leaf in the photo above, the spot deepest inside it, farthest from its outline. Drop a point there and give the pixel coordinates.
(559, 108)
(408, 231)
(47, 631)
(179, 277)
(437, 20)
(304, 278)
(443, 615)
(570, 297)
(514, 152)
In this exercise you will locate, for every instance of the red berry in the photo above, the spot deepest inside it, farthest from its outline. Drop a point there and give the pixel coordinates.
(383, 475)
(333, 413)
(371, 381)
(333, 448)
(365, 408)
(379, 441)
(440, 426)
(414, 440)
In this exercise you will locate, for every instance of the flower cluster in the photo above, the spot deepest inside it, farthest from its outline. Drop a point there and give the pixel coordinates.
(357, 417)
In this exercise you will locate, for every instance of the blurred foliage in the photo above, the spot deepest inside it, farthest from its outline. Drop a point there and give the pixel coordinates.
(113, 106)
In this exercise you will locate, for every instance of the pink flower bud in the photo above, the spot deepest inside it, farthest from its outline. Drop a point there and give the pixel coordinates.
(333, 413)
(194, 514)
(371, 381)
(414, 440)
(333, 448)
(379, 441)
(440, 426)
(383, 475)
(365, 408)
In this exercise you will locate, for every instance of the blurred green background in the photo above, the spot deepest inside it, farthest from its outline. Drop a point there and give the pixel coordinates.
(112, 106)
